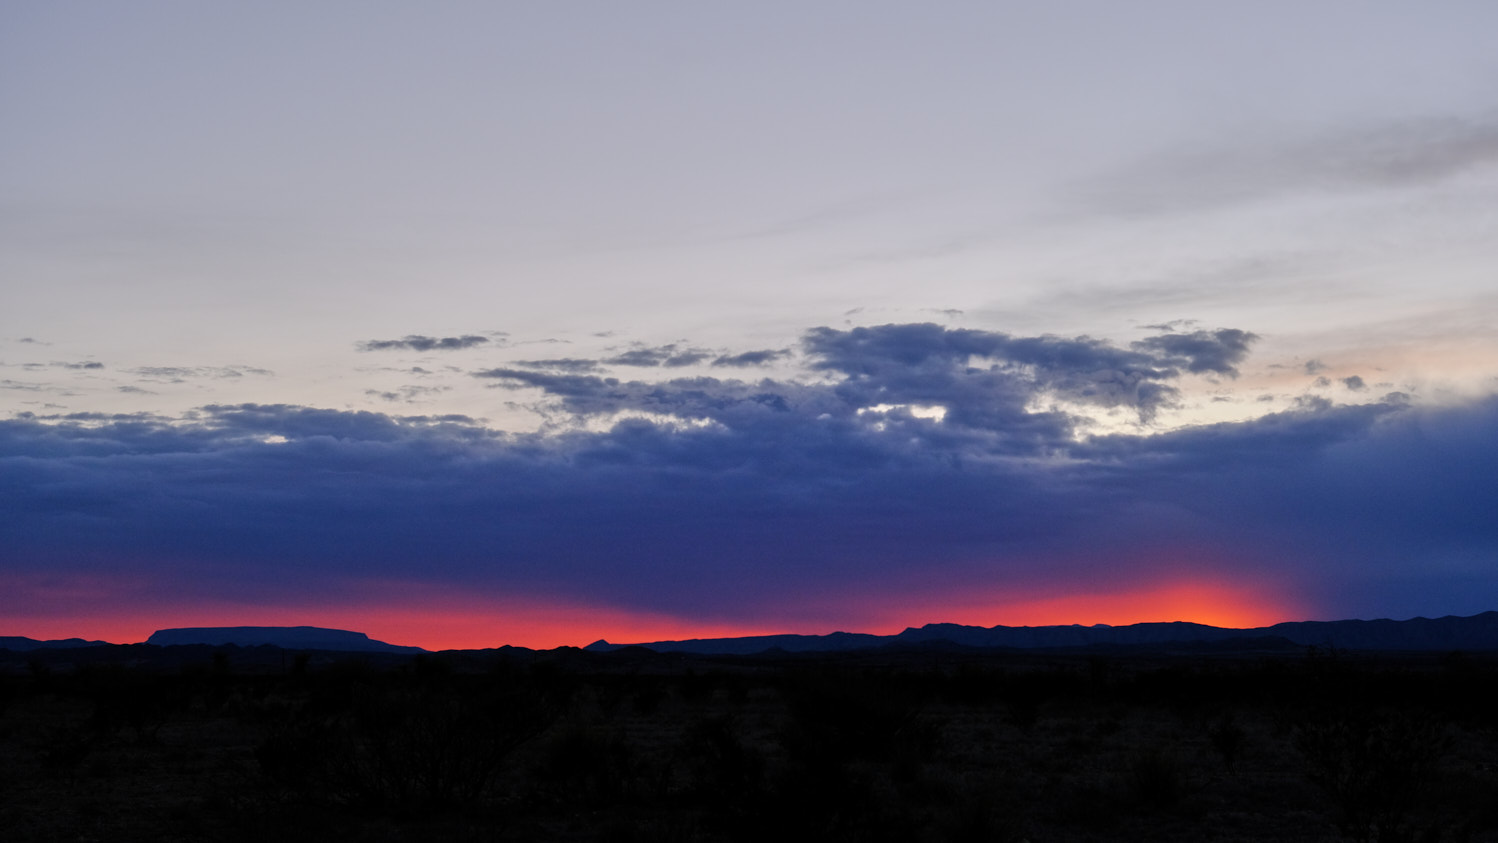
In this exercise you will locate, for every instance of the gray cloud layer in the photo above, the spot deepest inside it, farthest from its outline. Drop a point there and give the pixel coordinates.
(773, 492)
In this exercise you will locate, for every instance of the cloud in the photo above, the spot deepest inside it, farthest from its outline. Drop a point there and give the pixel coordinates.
(666, 355)
(417, 342)
(760, 357)
(563, 364)
(1312, 403)
(171, 374)
(407, 394)
(1202, 351)
(987, 379)
(1354, 383)
(179, 374)
(1393, 155)
(1171, 326)
(982, 380)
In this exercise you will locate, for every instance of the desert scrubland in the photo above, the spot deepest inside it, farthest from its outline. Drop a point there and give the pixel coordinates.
(232, 744)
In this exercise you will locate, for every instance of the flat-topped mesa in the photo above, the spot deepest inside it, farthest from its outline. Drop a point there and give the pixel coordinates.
(287, 637)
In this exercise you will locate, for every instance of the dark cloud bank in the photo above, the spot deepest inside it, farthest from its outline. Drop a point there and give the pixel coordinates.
(731, 498)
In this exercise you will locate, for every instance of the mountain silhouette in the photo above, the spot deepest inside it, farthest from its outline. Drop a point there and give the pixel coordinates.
(21, 644)
(1478, 632)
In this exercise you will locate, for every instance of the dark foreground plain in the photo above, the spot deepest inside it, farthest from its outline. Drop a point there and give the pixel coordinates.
(1292, 744)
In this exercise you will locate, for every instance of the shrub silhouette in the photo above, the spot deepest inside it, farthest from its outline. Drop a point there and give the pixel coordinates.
(399, 751)
(1155, 779)
(63, 751)
(1227, 739)
(588, 766)
(724, 773)
(131, 704)
(835, 722)
(1373, 768)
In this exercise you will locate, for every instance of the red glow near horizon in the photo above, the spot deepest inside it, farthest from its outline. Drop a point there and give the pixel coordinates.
(537, 627)
(1210, 601)
(1214, 604)
(406, 614)
(437, 619)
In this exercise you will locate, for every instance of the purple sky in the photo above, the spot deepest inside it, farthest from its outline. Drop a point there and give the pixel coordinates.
(464, 323)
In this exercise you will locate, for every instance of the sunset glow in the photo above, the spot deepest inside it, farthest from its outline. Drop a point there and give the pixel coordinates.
(437, 619)
(536, 324)
(1205, 603)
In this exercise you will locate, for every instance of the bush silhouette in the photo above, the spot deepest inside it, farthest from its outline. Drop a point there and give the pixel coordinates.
(399, 751)
(1155, 779)
(1374, 768)
(1227, 738)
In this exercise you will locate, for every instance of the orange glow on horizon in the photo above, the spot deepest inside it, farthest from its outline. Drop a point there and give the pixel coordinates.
(1204, 603)
(404, 614)
(1214, 603)
(437, 618)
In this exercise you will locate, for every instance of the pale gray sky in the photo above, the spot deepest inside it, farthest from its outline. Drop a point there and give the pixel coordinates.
(259, 187)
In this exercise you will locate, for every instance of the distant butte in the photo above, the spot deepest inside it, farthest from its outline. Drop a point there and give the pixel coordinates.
(286, 637)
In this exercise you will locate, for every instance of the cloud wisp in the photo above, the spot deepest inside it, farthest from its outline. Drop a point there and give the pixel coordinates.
(417, 342)
(670, 355)
(1405, 154)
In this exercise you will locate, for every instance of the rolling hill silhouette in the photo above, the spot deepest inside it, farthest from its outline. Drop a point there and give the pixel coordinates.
(1478, 632)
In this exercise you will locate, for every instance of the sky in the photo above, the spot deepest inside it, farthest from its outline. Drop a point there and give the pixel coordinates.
(469, 324)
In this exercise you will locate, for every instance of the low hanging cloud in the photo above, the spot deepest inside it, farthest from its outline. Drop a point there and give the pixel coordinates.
(417, 342)
(731, 498)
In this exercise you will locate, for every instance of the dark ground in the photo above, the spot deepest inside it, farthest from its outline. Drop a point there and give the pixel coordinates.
(195, 743)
